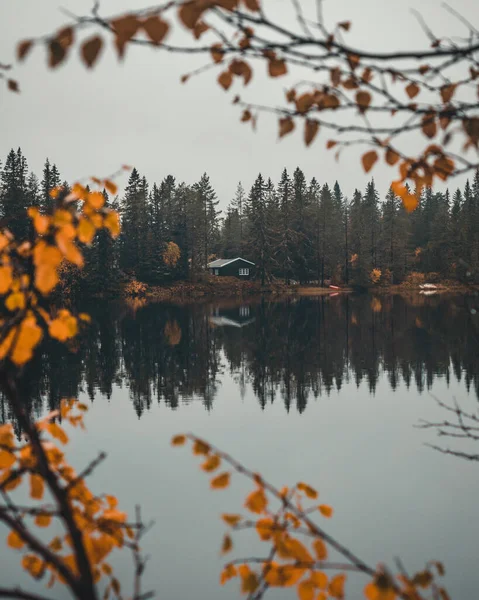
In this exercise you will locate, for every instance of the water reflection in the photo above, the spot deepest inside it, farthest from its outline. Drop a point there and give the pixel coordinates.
(289, 351)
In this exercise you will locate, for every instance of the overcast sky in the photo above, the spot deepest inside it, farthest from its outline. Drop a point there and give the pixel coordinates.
(138, 113)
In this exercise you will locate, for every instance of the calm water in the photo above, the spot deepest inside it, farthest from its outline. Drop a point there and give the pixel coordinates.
(326, 390)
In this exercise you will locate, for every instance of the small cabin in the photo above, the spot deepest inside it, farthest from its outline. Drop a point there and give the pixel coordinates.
(232, 267)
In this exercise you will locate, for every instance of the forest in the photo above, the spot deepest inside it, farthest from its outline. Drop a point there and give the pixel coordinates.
(293, 229)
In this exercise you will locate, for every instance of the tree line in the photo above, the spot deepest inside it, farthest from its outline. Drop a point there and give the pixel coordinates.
(293, 230)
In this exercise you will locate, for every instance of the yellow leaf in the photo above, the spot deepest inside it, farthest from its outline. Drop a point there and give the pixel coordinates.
(227, 544)
(46, 278)
(306, 590)
(57, 432)
(36, 486)
(325, 510)
(29, 336)
(228, 572)
(16, 301)
(112, 222)
(298, 550)
(7, 459)
(265, 528)
(15, 541)
(43, 520)
(85, 230)
(320, 549)
(96, 199)
(308, 490)
(249, 579)
(212, 463)
(231, 519)
(6, 279)
(33, 565)
(320, 579)
(178, 440)
(256, 501)
(200, 447)
(63, 329)
(220, 481)
(336, 586)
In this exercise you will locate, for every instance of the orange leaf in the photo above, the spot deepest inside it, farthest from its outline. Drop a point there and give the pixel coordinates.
(412, 90)
(429, 126)
(43, 520)
(155, 28)
(178, 440)
(228, 572)
(225, 79)
(227, 544)
(111, 186)
(14, 540)
(330, 144)
(311, 129)
(33, 565)
(24, 48)
(90, 50)
(391, 156)
(189, 13)
(220, 481)
(336, 586)
(85, 230)
(217, 53)
(363, 100)
(231, 519)
(36, 486)
(320, 579)
(96, 199)
(265, 528)
(320, 549)
(325, 510)
(6, 459)
(277, 67)
(286, 125)
(6, 279)
(308, 490)
(249, 579)
(256, 501)
(212, 463)
(447, 92)
(200, 447)
(57, 432)
(112, 222)
(252, 5)
(369, 159)
(306, 590)
(46, 278)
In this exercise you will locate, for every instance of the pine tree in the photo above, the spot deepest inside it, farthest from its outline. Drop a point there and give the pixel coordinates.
(14, 193)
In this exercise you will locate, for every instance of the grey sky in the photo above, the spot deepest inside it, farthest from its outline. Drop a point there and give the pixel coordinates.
(139, 113)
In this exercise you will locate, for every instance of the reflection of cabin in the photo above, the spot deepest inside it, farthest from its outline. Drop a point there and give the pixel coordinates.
(239, 316)
(232, 267)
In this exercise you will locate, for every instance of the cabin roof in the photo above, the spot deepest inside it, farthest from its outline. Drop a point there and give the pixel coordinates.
(222, 262)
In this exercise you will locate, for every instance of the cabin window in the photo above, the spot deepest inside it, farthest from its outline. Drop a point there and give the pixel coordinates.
(244, 271)
(244, 311)
(217, 271)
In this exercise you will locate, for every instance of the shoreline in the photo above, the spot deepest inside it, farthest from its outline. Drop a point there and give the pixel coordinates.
(231, 288)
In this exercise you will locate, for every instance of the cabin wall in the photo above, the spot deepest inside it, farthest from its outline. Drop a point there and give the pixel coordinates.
(232, 270)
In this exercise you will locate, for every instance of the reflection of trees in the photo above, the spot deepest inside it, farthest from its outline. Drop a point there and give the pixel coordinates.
(292, 350)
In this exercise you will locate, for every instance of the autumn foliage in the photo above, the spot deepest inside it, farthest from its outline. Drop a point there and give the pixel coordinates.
(414, 89)
(299, 552)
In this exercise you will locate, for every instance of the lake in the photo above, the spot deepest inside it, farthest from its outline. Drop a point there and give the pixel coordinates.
(327, 390)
